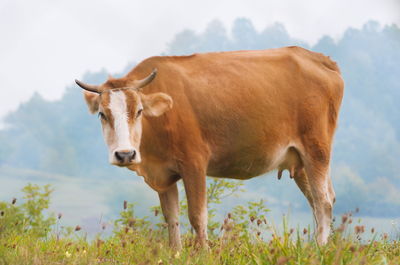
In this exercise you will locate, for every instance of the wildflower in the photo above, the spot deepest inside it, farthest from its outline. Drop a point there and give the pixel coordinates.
(14, 200)
(99, 242)
(160, 261)
(359, 229)
(229, 215)
(155, 212)
(77, 228)
(252, 218)
(282, 260)
(67, 254)
(131, 222)
(154, 251)
(125, 205)
(305, 231)
(177, 255)
(341, 228)
(372, 230)
(259, 222)
(344, 219)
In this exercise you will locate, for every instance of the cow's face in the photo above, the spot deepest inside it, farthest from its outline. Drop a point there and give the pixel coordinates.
(121, 112)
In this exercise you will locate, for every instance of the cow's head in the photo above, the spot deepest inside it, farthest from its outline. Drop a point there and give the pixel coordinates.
(120, 111)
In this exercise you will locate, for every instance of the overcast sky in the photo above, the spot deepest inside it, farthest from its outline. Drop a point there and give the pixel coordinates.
(46, 44)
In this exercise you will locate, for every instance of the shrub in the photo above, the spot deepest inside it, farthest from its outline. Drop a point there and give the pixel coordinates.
(29, 216)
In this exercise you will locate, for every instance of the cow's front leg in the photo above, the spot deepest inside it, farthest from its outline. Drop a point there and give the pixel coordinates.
(196, 193)
(169, 201)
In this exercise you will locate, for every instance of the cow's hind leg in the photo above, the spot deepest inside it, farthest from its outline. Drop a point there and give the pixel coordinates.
(317, 169)
(293, 162)
(301, 180)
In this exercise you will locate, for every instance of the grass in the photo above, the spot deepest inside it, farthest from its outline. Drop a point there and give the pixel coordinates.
(245, 236)
(150, 247)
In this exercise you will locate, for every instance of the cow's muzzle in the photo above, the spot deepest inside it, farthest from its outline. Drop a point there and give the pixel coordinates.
(125, 157)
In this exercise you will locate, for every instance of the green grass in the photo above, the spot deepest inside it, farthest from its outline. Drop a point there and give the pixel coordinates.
(150, 247)
(28, 236)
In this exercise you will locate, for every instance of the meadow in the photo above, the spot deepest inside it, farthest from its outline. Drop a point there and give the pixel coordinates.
(29, 234)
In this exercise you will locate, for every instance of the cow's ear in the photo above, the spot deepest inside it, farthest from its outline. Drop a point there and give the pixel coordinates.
(156, 104)
(92, 101)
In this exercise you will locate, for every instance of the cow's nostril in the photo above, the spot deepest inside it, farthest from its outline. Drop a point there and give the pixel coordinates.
(125, 156)
(118, 156)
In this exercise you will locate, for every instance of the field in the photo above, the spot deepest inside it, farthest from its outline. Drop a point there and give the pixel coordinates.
(30, 235)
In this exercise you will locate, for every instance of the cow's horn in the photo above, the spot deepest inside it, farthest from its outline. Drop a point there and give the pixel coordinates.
(144, 82)
(91, 88)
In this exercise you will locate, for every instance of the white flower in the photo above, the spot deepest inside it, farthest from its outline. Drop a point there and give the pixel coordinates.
(67, 254)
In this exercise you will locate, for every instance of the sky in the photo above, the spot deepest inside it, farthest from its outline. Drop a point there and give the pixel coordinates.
(46, 44)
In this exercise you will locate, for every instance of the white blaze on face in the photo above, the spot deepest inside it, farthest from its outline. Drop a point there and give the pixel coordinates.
(122, 133)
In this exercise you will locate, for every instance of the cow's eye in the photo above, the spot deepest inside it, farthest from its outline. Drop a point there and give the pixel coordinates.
(139, 113)
(102, 116)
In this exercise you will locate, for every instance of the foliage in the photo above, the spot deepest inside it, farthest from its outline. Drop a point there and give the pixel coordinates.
(128, 221)
(27, 218)
(139, 243)
(250, 218)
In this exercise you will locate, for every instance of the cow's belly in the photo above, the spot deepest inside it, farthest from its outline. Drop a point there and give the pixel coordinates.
(240, 169)
(245, 165)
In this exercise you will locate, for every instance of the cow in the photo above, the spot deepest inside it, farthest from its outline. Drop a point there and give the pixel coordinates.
(236, 114)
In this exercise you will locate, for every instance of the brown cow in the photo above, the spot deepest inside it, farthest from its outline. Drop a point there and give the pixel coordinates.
(228, 114)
